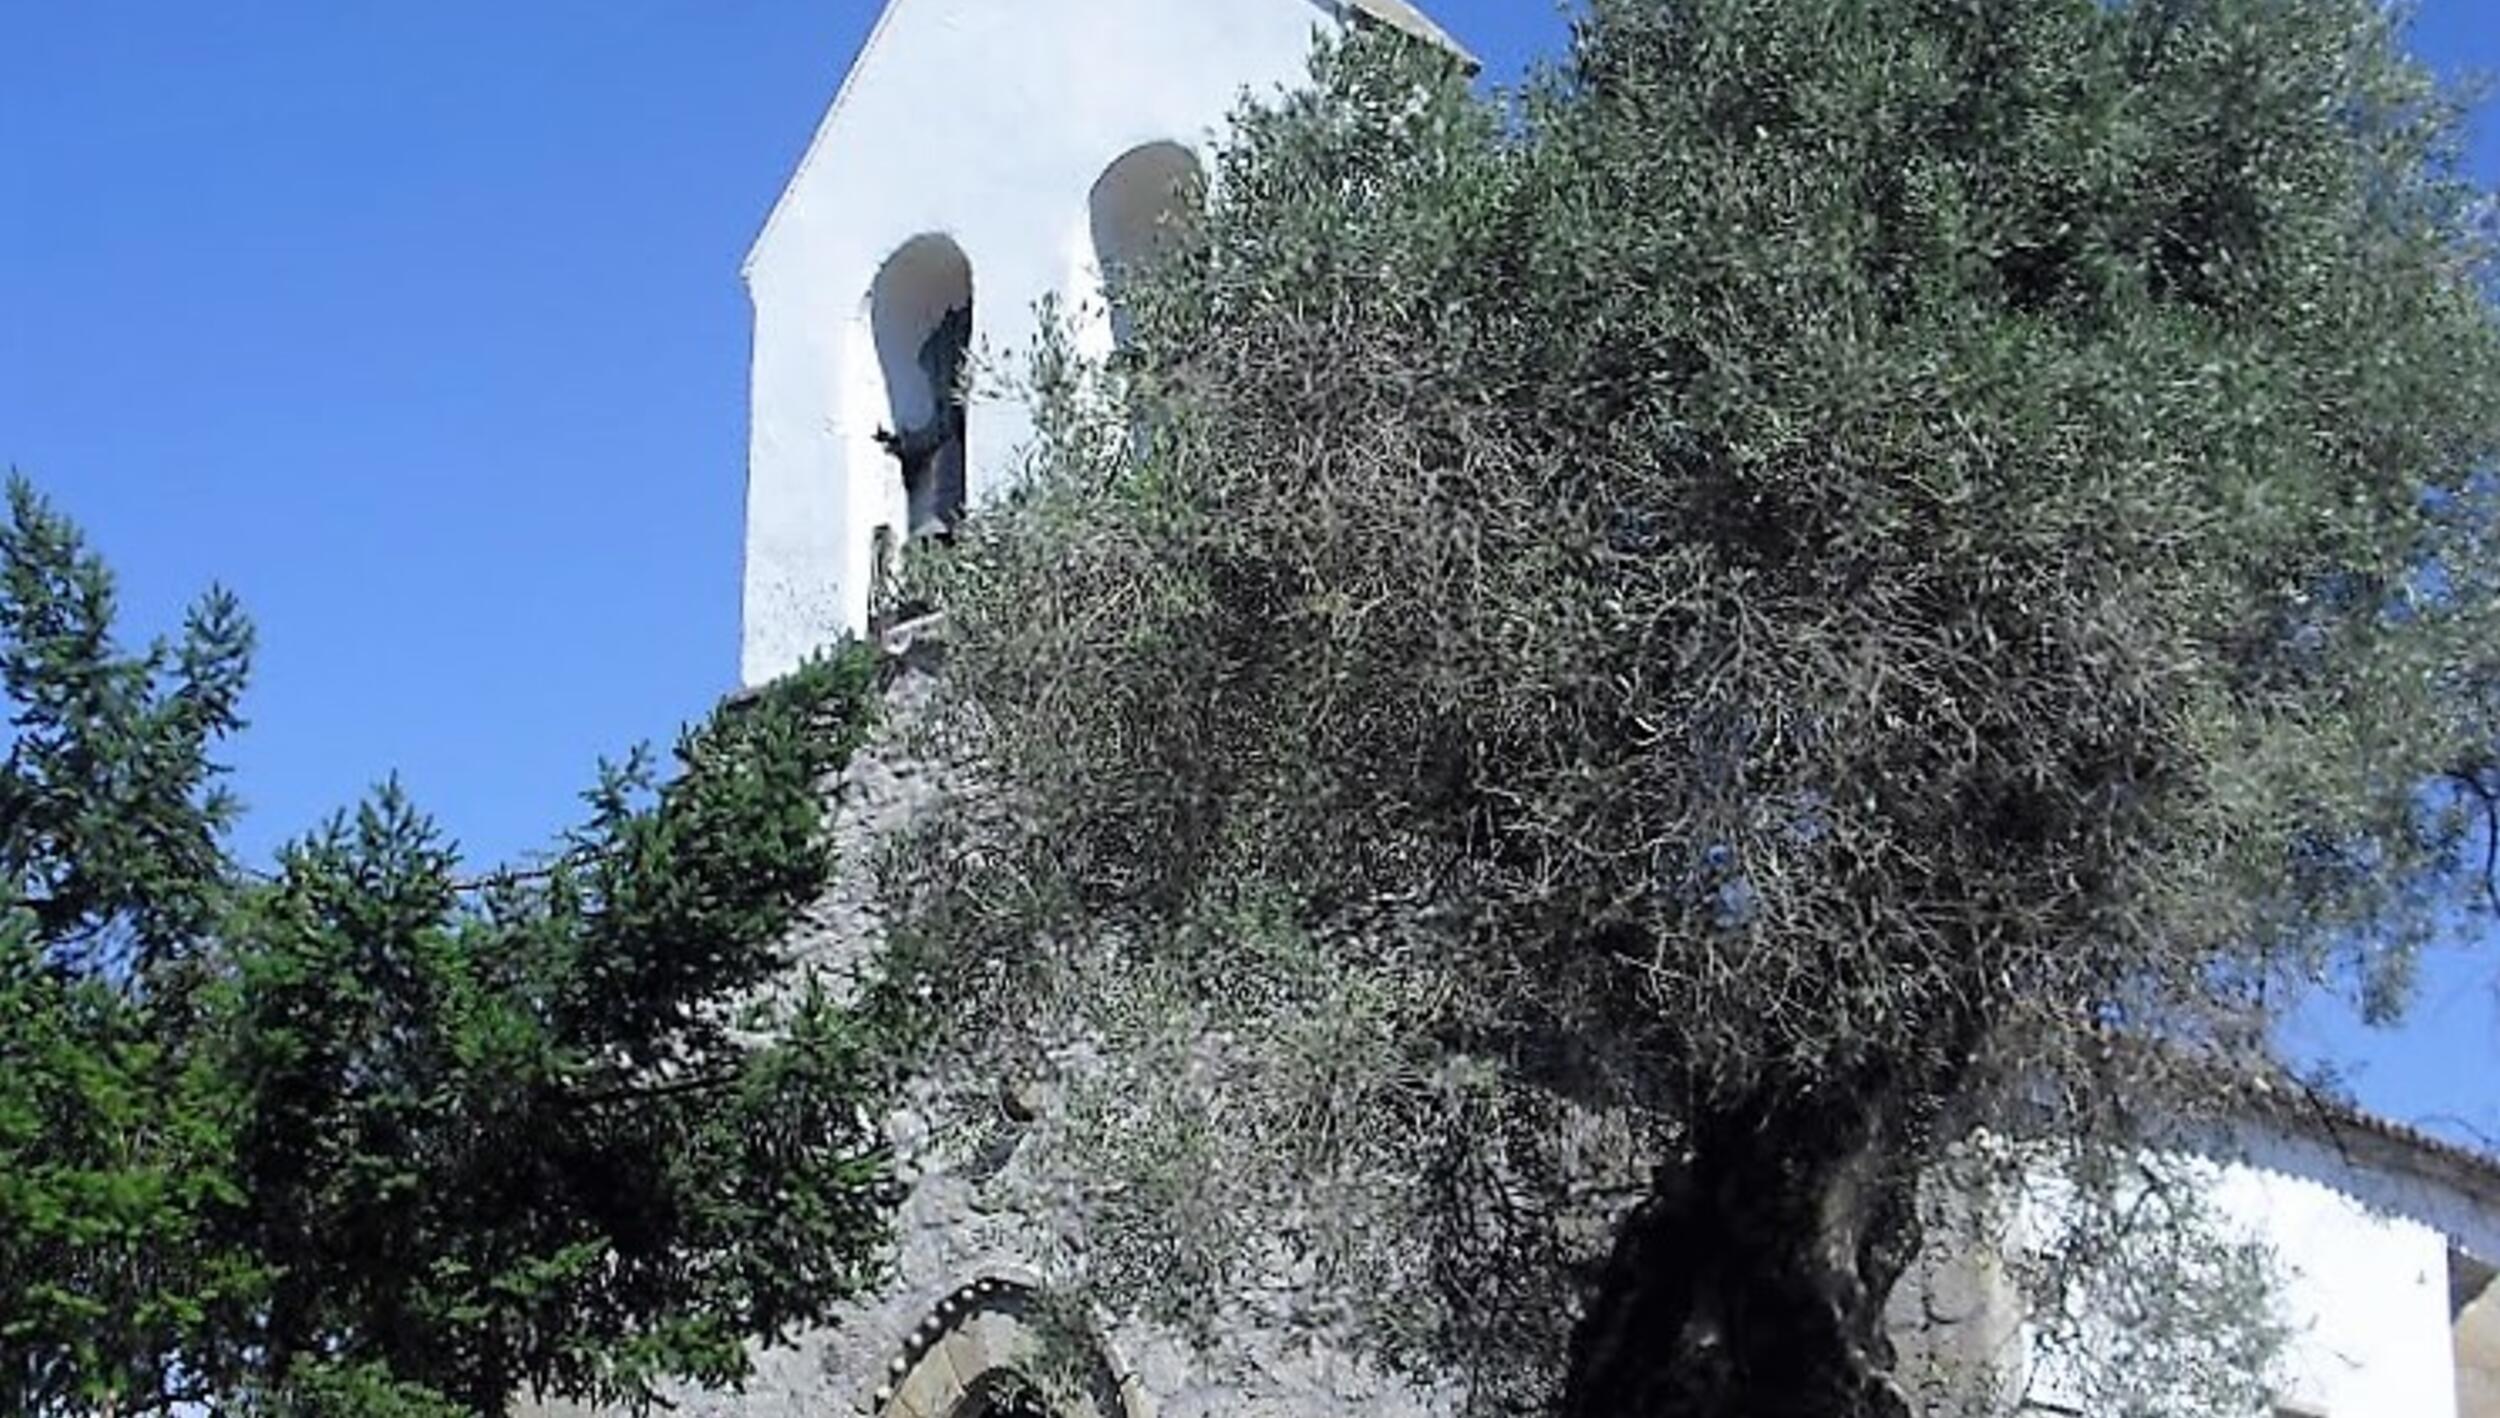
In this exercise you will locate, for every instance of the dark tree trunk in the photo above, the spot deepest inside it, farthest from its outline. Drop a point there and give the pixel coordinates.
(1751, 1282)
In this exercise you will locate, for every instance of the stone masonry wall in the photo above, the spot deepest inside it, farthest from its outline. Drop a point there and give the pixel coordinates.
(988, 1253)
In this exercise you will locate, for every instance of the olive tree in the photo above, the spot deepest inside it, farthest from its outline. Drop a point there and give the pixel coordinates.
(1826, 576)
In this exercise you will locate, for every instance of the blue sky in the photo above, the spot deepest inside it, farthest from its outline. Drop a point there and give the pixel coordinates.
(417, 322)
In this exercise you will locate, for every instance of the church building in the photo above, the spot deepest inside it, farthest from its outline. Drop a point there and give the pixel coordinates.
(982, 156)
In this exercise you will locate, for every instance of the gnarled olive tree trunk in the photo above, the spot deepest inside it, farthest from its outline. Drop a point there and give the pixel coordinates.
(1752, 1279)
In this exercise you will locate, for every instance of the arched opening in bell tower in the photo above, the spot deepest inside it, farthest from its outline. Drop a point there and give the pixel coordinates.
(1133, 209)
(920, 314)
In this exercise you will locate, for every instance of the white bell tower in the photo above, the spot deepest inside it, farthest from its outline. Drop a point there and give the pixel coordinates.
(981, 154)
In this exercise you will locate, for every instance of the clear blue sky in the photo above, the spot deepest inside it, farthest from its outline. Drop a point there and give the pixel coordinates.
(417, 322)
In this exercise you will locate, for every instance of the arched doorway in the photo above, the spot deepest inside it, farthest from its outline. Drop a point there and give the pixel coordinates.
(1131, 212)
(920, 313)
(978, 1351)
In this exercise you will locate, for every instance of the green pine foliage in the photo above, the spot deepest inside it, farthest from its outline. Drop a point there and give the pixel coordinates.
(360, 1138)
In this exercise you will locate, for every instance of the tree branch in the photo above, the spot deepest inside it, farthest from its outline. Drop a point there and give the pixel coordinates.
(2472, 782)
(641, 1093)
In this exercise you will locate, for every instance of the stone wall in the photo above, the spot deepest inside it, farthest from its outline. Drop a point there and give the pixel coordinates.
(988, 1259)
(2477, 1334)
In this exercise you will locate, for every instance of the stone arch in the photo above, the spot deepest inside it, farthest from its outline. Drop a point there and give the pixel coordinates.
(1130, 214)
(920, 317)
(979, 1349)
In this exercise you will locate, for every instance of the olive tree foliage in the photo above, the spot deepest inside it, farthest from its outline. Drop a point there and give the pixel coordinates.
(1640, 659)
(359, 1138)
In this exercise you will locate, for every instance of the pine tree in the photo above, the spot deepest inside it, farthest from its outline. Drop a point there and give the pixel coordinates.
(358, 1137)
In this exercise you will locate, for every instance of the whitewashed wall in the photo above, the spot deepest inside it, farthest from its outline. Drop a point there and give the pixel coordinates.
(2361, 1227)
(989, 122)
(2366, 1294)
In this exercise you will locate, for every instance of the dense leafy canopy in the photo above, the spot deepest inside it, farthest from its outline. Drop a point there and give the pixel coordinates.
(1787, 587)
(359, 1138)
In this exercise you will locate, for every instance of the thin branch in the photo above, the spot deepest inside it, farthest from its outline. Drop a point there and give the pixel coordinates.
(640, 1093)
(514, 876)
(469, 885)
(2473, 783)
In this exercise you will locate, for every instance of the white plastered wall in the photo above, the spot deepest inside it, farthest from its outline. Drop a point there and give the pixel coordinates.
(2366, 1295)
(2360, 1241)
(988, 122)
